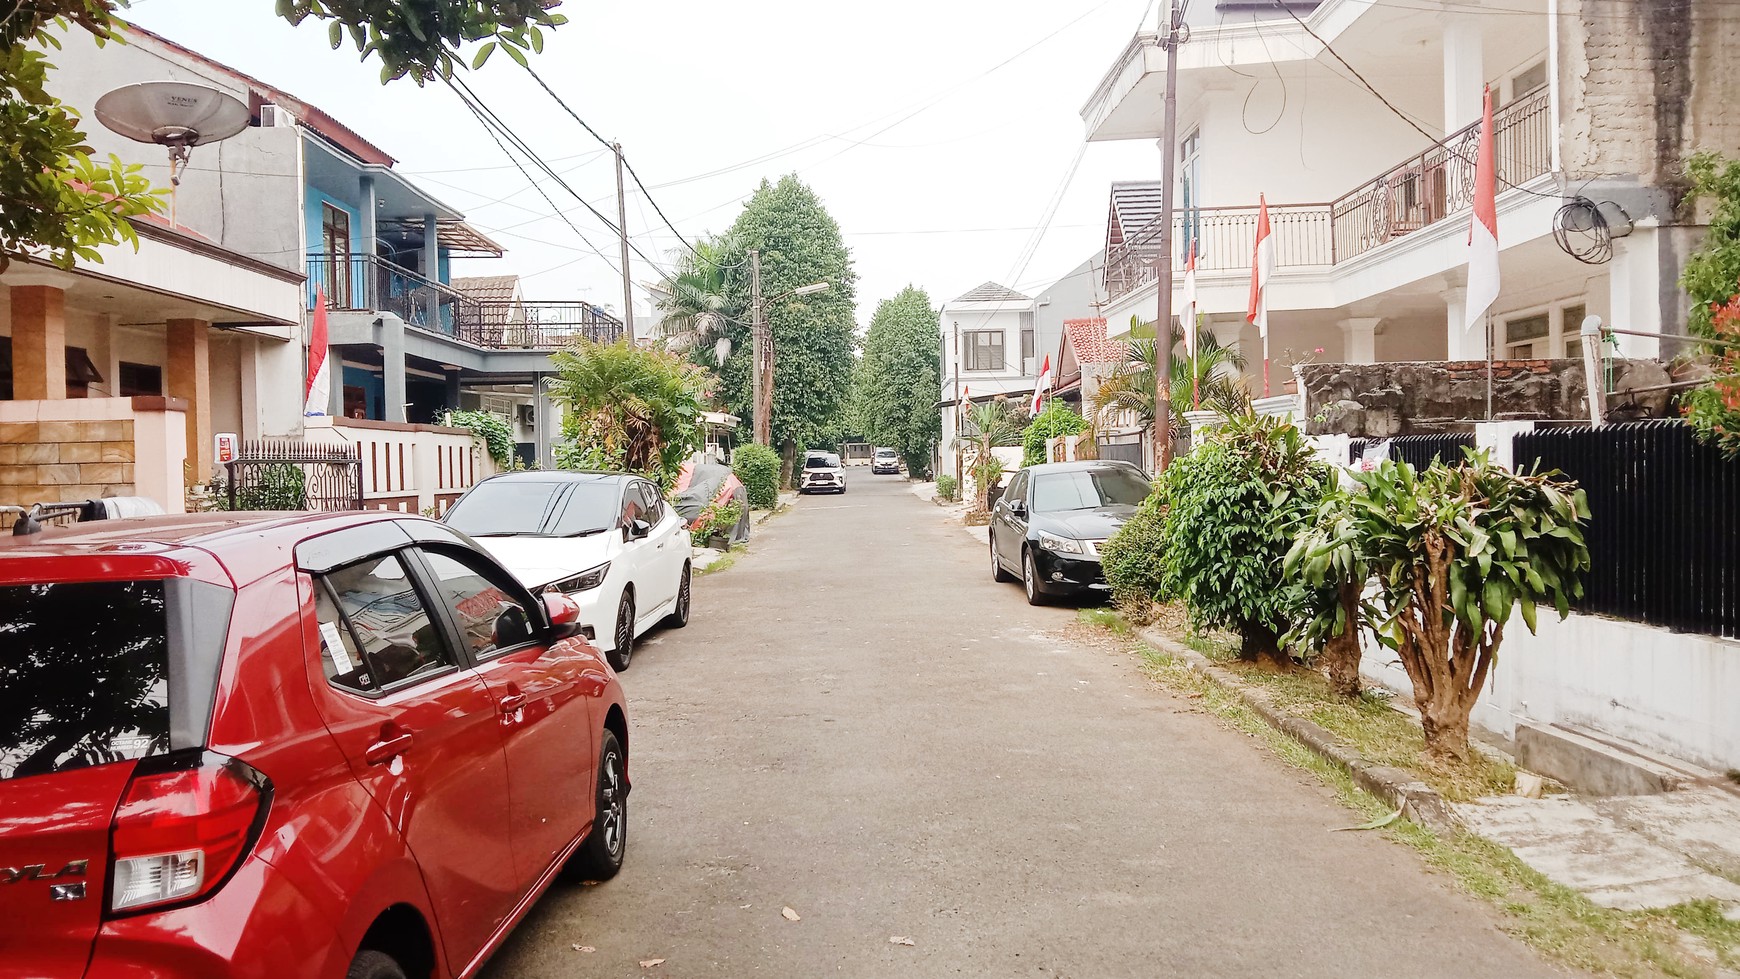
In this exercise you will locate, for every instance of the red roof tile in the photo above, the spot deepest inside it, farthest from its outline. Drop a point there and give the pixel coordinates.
(1087, 337)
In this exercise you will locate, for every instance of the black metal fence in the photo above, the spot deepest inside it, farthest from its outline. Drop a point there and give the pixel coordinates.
(1418, 451)
(1664, 527)
(279, 474)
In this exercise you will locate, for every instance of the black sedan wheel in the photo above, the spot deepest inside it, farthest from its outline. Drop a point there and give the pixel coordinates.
(1030, 579)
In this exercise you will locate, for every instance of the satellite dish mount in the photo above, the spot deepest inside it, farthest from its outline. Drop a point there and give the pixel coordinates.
(175, 115)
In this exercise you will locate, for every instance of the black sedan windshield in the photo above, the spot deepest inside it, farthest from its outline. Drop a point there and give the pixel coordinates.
(1085, 489)
(556, 508)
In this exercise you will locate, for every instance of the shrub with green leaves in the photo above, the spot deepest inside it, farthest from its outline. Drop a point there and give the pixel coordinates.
(490, 430)
(1235, 506)
(946, 488)
(1132, 559)
(1056, 419)
(1712, 281)
(1454, 550)
(757, 466)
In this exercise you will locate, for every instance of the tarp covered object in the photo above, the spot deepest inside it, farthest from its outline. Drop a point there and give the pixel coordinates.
(699, 485)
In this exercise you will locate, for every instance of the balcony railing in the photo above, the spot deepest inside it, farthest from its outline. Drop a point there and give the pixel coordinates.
(1422, 191)
(376, 285)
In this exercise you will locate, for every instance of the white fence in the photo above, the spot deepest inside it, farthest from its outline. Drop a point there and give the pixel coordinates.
(409, 468)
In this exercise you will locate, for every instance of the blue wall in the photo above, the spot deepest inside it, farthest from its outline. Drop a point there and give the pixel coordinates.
(370, 382)
(313, 215)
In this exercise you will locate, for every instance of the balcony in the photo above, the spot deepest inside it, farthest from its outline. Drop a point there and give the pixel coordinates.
(375, 285)
(1416, 194)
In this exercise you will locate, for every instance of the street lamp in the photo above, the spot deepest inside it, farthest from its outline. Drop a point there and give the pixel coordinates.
(761, 374)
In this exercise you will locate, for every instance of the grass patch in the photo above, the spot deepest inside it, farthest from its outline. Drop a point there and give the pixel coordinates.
(723, 562)
(1690, 941)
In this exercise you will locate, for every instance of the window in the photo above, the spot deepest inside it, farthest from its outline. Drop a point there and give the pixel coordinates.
(138, 380)
(1526, 81)
(374, 630)
(1017, 487)
(523, 507)
(1089, 488)
(984, 350)
(655, 503)
(1027, 340)
(335, 244)
(633, 506)
(83, 675)
(1573, 317)
(1190, 190)
(490, 618)
(1521, 336)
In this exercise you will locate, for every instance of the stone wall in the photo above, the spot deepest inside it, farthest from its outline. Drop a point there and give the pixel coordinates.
(56, 461)
(1420, 398)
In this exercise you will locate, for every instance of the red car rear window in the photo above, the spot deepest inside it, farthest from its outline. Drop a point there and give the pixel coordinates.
(83, 675)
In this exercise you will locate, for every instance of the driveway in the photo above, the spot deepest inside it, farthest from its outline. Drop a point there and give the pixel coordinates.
(859, 725)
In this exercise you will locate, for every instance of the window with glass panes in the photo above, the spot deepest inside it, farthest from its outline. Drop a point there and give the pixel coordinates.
(984, 350)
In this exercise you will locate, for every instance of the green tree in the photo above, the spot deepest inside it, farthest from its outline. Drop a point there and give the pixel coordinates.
(701, 300)
(58, 204)
(895, 390)
(813, 336)
(629, 408)
(1055, 419)
(1712, 279)
(1130, 386)
(983, 428)
(1234, 508)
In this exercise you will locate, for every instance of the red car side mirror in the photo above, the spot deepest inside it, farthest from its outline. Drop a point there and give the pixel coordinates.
(564, 615)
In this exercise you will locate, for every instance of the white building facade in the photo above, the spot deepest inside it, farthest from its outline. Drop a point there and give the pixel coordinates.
(990, 348)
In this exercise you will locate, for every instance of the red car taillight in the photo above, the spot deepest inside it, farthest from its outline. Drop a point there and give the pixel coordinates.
(181, 829)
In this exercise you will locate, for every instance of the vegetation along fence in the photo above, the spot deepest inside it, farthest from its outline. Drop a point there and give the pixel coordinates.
(279, 474)
(1418, 451)
(1664, 530)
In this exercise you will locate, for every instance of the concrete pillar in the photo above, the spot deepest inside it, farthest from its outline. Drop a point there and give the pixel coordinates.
(1464, 343)
(335, 392)
(1359, 335)
(541, 427)
(1635, 300)
(38, 343)
(1464, 72)
(432, 272)
(369, 246)
(452, 397)
(188, 376)
(393, 368)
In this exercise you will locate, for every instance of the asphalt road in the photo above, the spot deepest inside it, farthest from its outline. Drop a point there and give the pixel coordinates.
(859, 725)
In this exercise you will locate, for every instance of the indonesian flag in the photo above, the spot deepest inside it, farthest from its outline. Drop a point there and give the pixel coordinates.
(319, 392)
(1190, 304)
(1042, 386)
(1483, 229)
(1262, 267)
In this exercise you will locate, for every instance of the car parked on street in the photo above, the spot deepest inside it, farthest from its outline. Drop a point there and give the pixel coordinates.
(822, 473)
(885, 461)
(346, 746)
(1048, 525)
(609, 541)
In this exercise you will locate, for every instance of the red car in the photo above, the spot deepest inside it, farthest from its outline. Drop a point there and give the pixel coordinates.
(345, 745)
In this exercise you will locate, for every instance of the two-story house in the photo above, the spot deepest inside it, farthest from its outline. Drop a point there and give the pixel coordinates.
(1598, 104)
(988, 339)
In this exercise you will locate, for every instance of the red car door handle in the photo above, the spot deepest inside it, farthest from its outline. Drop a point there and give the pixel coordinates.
(388, 748)
(513, 702)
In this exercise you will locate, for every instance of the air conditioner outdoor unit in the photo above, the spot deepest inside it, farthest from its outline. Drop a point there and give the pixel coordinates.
(528, 415)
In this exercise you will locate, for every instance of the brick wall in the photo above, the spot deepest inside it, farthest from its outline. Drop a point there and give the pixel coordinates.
(1646, 83)
(53, 461)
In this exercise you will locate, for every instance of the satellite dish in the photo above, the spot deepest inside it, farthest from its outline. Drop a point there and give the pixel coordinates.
(178, 115)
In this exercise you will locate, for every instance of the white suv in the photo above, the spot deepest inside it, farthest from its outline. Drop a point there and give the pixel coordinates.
(822, 473)
(885, 461)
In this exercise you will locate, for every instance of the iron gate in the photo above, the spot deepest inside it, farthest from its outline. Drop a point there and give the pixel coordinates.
(1419, 451)
(1130, 452)
(280, 474)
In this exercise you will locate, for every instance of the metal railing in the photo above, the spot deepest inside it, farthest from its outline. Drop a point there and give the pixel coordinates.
(374, 284)
(1419, 451)
(1419, 192)
(286, 474)
(1663, 529)
(1439, 182)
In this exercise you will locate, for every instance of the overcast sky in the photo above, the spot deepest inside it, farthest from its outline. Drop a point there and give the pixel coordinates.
(708, 98)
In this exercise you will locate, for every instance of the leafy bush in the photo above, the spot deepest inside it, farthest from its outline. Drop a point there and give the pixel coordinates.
(1132, 558)
(279, 486)
(717, 520)
(1057, 418)
(1712, 279)
(1235, 507)
(987, 471)
(757, 466)
(630, 408)
(946, 488)
(490, 430)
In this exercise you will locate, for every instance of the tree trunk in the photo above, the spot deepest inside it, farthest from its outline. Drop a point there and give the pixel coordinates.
(787, 464)
(1445, 722)
(1341, 654)
(1260, 644)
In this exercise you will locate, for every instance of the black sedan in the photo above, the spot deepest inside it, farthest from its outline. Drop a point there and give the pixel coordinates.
(1050, 523)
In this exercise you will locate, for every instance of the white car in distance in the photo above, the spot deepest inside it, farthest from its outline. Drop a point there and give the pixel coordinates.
(610, 541)
(822, 473)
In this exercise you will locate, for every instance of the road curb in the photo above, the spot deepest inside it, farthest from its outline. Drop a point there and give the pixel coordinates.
(785, 502)
(1417, 800)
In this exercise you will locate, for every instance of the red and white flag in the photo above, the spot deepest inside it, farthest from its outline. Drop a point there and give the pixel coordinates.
(1483, 229)
(1189, 311)
(1042, 387)
(1262, 268)
(317, 396)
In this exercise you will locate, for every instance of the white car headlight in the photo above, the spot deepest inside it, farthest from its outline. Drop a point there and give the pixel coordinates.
(1061, 545)
(584, 581)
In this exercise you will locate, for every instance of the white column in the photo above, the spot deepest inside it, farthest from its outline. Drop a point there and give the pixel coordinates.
(1464, 343)
(1464, 72)
(1359, 335)
(1634, 292)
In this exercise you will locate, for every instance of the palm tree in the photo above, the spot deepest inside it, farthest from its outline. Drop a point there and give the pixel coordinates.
(1212, 376)
(985, 427)
(697, 301)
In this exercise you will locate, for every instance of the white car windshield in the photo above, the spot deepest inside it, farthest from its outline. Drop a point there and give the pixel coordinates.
(537, 508)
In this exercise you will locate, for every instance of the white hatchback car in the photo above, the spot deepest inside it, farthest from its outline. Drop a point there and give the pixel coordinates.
(609, 541)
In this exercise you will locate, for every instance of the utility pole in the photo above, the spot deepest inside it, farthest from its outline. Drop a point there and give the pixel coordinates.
(958, 407)
(1163, 324)
(758, 350)
(622, 226)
